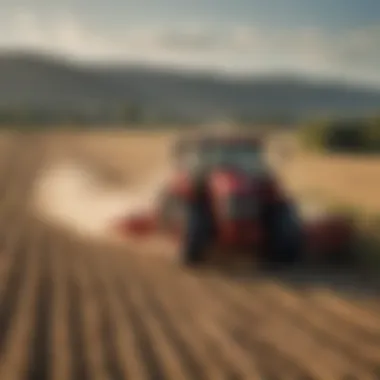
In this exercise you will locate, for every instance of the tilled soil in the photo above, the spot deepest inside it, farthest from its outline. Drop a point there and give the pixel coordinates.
(71, 309)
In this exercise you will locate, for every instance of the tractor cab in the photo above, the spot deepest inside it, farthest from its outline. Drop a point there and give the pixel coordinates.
(222, 153)
(225, 164)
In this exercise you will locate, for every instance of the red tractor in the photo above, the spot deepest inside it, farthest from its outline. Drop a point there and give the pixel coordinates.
(224, 195)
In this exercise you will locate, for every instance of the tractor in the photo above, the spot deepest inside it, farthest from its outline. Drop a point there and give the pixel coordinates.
(225, 197)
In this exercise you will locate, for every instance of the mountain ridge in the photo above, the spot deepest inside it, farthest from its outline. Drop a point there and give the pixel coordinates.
(33, 80)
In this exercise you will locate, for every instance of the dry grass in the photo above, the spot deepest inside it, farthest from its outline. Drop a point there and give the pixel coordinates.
(117, 156)
(71, 309)
(351, 180)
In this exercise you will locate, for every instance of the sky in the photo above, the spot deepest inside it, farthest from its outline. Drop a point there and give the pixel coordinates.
(327, 38)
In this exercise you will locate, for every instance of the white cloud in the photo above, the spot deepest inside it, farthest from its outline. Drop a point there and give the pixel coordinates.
(237, 49)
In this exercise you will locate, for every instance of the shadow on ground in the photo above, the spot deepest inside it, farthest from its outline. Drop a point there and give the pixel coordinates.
(359, 279)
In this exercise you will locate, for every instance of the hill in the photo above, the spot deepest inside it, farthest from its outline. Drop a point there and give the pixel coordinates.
(38, 81)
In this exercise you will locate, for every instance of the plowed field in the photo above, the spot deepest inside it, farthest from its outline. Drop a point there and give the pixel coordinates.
(71, 309)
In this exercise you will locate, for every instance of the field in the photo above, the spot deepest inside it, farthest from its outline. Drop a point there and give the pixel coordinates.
(355, 181)
(76, 309)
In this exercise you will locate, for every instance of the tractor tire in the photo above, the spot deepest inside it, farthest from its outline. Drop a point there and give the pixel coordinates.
(285, 238)
(199, 224)
(195, 241)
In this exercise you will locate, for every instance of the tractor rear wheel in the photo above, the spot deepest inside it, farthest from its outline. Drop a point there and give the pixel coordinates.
(284, 236)
(196, 238)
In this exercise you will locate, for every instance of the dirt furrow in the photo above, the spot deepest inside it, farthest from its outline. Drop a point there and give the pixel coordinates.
(6, 258)
(179, 326)
(234, 319)
(231, 357)
(155, 327)
(40, 345)
(279, 313)
(172, 364)
(111, 318)
(328, 330)
(363, 321)
(60, 335)
(85, 300)
(76, 320)
(124, 359)
(12, 291)
(272, 328)
(239, 324)
(5, 264)
(19, 313)
(146, 349)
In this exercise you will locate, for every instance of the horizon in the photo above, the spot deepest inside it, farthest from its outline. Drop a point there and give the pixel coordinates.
(207, 73)
(248, 38)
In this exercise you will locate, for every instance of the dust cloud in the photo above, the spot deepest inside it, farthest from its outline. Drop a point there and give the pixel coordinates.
(72, 195)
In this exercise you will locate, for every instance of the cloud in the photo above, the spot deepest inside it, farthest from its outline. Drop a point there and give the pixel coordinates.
(235, 49)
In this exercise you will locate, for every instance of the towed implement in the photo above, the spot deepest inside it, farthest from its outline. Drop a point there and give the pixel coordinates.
(223, 197)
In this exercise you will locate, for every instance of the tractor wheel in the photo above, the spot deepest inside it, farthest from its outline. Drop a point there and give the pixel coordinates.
(195, 240)
(285, 241)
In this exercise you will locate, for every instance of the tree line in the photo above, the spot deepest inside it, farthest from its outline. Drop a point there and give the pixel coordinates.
(130, 114)
(340, 135)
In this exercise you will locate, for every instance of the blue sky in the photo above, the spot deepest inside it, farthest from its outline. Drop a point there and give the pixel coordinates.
(338, 38)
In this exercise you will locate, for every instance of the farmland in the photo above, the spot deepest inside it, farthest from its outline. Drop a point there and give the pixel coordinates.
(72, 308)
